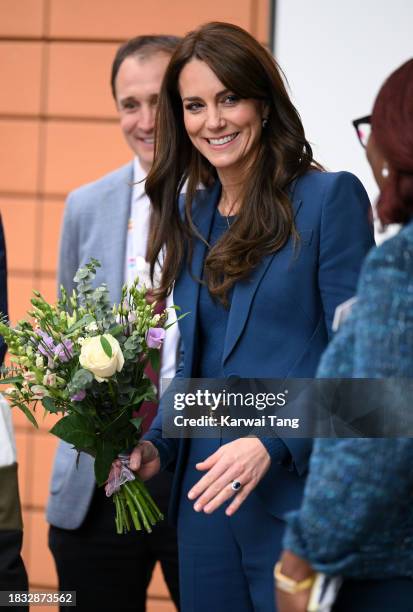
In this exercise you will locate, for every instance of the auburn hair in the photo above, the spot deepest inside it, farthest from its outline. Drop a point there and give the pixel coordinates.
(392, 127)
(265, 218)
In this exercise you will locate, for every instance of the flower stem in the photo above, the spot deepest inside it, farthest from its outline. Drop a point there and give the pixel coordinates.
(134, 505)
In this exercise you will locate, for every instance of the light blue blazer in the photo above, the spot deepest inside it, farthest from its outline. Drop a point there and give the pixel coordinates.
(280, 317)
(94, 225)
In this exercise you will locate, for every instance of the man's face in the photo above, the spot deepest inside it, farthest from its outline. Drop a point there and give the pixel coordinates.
(137, 87)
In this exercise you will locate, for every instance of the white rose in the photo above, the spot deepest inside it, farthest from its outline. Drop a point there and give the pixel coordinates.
(93, 357)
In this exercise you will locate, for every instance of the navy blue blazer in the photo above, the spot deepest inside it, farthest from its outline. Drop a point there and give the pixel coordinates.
(280, 317)
(3, 287)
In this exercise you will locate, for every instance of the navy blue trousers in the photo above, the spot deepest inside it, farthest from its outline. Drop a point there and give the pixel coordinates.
(226, 563)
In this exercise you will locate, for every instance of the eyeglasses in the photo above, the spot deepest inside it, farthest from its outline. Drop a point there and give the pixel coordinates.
(363, 129)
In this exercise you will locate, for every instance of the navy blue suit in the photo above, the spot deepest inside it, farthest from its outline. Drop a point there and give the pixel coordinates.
(3, 286)
(278, 326)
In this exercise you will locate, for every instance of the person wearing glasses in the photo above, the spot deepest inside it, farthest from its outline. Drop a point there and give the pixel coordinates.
(262, 256)
(356, 519)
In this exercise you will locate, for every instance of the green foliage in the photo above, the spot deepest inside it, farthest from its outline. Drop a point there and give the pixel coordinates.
(106, 346)
(77, 430)
(105, 454)
(50, 405)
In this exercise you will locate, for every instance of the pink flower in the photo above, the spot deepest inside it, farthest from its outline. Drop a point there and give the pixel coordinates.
(155, 337)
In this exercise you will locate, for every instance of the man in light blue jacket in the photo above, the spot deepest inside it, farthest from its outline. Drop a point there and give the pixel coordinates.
(109, 220)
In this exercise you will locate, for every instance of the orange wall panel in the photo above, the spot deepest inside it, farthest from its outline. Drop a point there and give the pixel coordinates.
(101, 20)
(19, 155)
(48, 289)
(52, 213)
(20, 421)
(20, 68)
(20, 293)
(43, 455)
(23, 460)
(78, 81)
(157, 587)
(19, 223)
(46, 421)
(156, 605)
(80, 152)
(261, 14)
(41, 567)
(21, 18)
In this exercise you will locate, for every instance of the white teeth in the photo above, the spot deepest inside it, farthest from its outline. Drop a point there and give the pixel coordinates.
(148, 140)
(224, 140)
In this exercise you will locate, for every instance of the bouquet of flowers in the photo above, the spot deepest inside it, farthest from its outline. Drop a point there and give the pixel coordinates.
(86, 359)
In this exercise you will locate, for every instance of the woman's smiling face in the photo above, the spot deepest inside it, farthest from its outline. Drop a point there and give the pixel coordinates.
(225, 128)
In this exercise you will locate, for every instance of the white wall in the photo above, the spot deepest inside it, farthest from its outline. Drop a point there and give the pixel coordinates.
(336, 54)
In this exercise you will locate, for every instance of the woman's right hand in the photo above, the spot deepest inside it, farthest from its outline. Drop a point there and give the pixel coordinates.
(144, 460)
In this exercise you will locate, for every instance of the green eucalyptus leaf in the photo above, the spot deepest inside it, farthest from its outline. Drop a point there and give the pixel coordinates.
(88, 318)
(116, 330)
(106, 346)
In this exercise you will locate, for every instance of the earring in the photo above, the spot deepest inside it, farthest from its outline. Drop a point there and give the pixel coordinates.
(385, 172)
(265, 122)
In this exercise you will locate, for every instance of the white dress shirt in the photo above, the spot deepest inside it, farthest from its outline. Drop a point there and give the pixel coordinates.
(7, 444)
(136, 265)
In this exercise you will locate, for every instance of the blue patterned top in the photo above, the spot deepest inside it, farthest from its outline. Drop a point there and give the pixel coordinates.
(357, 513)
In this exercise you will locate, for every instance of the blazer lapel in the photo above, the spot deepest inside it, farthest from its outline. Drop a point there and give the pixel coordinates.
(244, 292)
(187, 288)
(115, 213)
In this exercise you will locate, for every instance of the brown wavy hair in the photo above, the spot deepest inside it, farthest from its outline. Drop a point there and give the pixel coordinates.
(392, 126)
(265, 219)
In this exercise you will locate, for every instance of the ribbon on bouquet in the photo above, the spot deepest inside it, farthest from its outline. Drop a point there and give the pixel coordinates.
(118, 475)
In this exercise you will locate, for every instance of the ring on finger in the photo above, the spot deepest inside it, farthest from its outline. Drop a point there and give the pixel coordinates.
(236, 485)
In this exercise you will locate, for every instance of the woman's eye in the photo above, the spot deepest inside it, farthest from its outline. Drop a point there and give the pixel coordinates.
(193, 106)
(231, 99)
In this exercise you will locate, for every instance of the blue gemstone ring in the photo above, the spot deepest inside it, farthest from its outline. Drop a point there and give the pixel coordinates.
(236, 485)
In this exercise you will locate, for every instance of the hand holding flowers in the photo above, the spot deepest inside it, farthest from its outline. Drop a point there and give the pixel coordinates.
(85, 359)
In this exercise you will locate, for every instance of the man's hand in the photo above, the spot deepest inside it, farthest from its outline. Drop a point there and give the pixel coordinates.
(245, 460)
(145, 460)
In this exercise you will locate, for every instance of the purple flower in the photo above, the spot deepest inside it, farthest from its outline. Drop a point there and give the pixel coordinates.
(64, 350)
(79, 396)
(46, 346)
(155, 337)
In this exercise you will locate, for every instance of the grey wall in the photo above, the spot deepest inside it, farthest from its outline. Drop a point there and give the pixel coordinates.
(336, 54)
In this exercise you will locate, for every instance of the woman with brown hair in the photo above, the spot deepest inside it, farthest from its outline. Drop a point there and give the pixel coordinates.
(260, 259)
(356, 519)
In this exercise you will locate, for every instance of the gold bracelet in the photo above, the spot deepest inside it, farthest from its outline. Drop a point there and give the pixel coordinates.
(288, 585)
